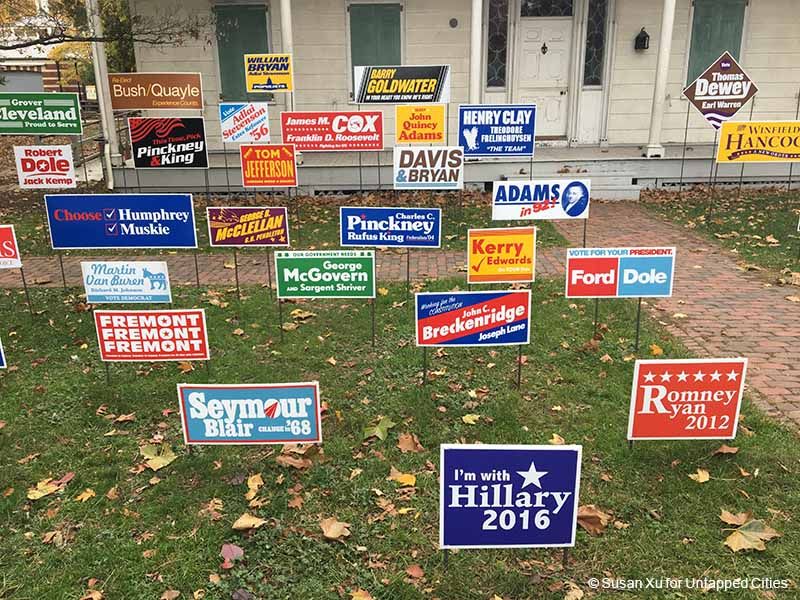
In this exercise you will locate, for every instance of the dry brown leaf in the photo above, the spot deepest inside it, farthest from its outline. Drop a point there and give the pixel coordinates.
(415, 571)
(404, 479)
(725, 449)
(360, 594)
(296, 502)
(408, 442)
(734, 519)
(471, 419)
(557, 440)
(701, 476)
(248, 521)
(85, 495)
(334, 529)
(751, 536)
(592, 519)
(254, 483)
(656, 350)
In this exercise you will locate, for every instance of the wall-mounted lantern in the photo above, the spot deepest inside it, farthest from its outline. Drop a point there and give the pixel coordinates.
(642, 41)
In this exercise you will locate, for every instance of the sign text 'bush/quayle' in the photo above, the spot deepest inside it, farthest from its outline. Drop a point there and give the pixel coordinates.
(497, 129)
(390, 226)
(540, 199)
(120, 221)
(123, 282)
(325, 274)
(473, 318)
(269, 413)
(54, 113)
(508, 496)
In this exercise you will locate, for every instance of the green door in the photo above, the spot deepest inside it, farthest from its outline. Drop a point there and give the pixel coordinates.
(375, 34)
(240, 30)
(717, 26)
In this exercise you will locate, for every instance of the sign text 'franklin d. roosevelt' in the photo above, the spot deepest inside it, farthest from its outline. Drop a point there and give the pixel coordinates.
(333, 131)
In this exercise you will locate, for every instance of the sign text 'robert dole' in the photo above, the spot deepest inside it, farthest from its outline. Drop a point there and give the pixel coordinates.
(401, 84)
(268, 165)
(244, 122)
(439, 168)
(686, 398)
(497, 129)
(269, 413)
(54, 113)
(123, 282)
(759, 141)
(473, 318)
(120, 221)
(168, 143)
(508, 496)
(268, 72)
(45, 167)
(407, 227)
(620, 272)
(501, 255)
(325, 274)
(540, 200)
(155, 91)
(721, 90)
(9, 250)
(152, 335)
(247, 226)
(333, 131)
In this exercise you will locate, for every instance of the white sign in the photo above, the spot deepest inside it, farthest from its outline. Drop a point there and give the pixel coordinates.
(45, 167)
(128, 282)
(540, 199)
(428, 168)
(244, 122)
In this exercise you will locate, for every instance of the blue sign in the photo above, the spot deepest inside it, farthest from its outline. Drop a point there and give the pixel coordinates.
(85, 221)
(497, 129)
(3, 363)
(507, 496)
(407, 227)
(279, 413)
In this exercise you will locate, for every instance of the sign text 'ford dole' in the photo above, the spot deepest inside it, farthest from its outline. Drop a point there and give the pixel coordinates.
(268, 165)
(325, 274)
(54, 113)
(501, 255)
(759, 141)
(508, 496)
(686, 398)
(620, 272)
(152, 335)
(257, 413)
(402, 84)
(9, 250)
(247, 226)
(497, 129)
(407, 227)
(155, 91)
(244, 122)
(168, 143)
(333, 131)
(721, 90)
(45, 167)
(540, 199)
(268, 72)
(424, 168)
(473, 318)
(123, 282)
(120, 221)
(422, 124)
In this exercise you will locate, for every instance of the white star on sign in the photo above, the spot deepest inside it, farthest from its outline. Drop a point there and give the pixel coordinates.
(649, 377)
(532, 476)
(732, 376)
(699, 376)
(715, 375)
(666, 376)
(682, 376)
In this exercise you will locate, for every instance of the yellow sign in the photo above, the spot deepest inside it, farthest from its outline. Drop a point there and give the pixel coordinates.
(759, 141)
(501, 255)
(268, 72)
(419, 124)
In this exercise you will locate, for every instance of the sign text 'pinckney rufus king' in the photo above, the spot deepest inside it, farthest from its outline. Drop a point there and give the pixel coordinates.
(168, 143)
(721, 90)
(155, 91)
(247, 226)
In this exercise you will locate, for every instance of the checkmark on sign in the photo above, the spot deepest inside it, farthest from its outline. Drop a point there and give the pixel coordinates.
(477, 267)
(112, 229)
(110, 214)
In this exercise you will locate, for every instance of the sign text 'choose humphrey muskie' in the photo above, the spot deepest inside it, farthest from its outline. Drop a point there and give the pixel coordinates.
(540, 199)
(124, 282)
(508, 496)
(497, 129)
(325, 273)
(279, 413)
(407, 227)
(121, 221)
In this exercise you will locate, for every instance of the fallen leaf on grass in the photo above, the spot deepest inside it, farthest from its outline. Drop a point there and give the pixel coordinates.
(230, 552)
(404, 479)
(751, 536)
(93, 595)
(157, 457)
(383, 291)
(299, 314)
(295, 502)
(656, 350)
(734, 519)
(725, 449)
(331, 361)
(360, 594)
(701, 476)
(574, 592)
(557, 440)
(287, 460)
(471, 419)
(408, 442)
(415, 571)
(248, 521)
(334, 529)
(85, 495)
(380, 430)
(185, 367)
(49, 486)
(170, 595)
(254, 483)
(592, 519)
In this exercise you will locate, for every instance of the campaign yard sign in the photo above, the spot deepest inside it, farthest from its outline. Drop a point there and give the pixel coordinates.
(424, 168)
(152, 335)
(52, 113)
(84, 221)
(620, 272)
(268, 165)
(508, 496)
(155, 91)
(268, 73)
(45, 167)
(721, 90)
(325, 273)
(240, 226)
(419, 124)
(497, 129)
(540, 199)
(473, 318)
(390, 226)
(9, 250)
(759, 141)
(3, 363)
(178, 142)
(683, 398)
(126, 282)
(505, 255)
(333, 131)
(401, 84)
(257, 413)
(244, 122)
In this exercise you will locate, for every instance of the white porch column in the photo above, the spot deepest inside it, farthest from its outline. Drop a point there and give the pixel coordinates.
(476, 37)
(286, 40)
(654, 147)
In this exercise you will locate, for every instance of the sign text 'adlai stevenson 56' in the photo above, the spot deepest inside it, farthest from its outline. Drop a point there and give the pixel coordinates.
(244, 122)
(721, 90)
(428, 168)
(540, 199)
(155, 91)
(390, 226)
(686, 398)
(268, 165)
(252, 413)
(620, 272)
(325, 273)
(245, 226)
(45, 167)
(333, 131)
(34, 113)
(504, 255)
(9, 250)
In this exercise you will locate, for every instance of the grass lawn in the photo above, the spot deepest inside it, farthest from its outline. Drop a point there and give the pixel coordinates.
(761, 226)
(157, 531)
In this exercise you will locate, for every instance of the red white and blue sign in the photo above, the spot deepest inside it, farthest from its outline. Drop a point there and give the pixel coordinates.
(620, 272)
(473, 318)
(3, 363)
(541, 199)
(390, 226)
(497, 129)
(268, 413)
(85, 221)
(508, 496)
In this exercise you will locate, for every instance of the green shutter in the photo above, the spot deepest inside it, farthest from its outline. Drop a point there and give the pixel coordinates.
(375, 34)
(717, 27)
(240, 30)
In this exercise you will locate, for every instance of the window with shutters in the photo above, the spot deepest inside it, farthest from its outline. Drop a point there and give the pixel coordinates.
(375, 35)
(241, 29)
(717, 26)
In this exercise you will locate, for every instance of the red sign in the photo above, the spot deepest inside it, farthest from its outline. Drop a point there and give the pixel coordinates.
(268, 165)
(686, 398)
(9, 251)
(332, 131)
(149, 335)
